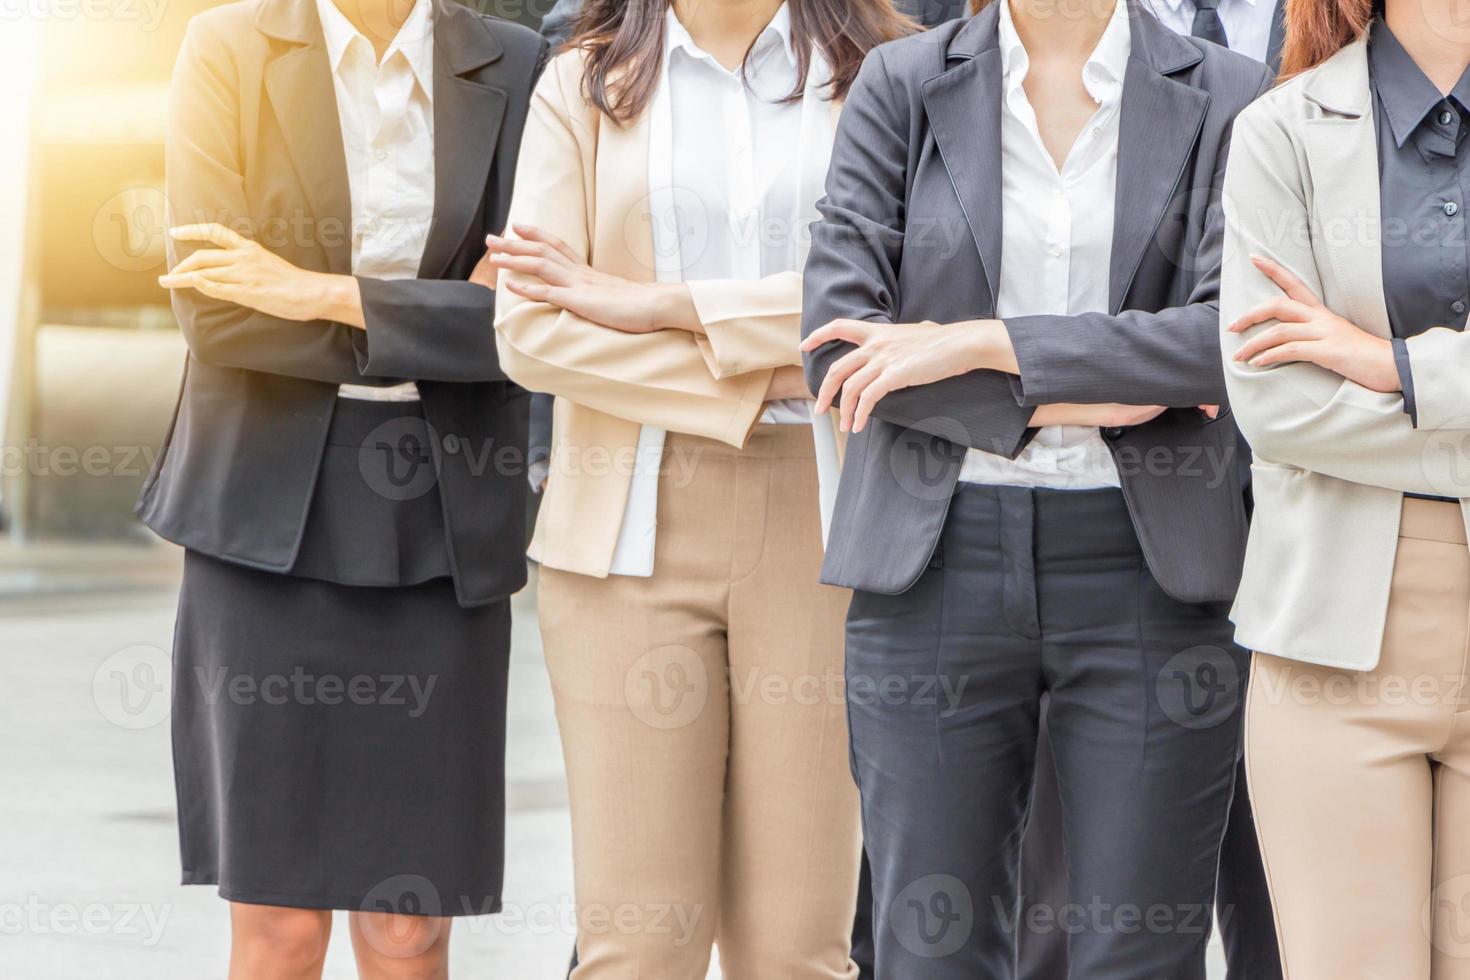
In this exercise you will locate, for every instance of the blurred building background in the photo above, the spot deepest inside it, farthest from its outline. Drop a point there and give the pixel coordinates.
(90, 358)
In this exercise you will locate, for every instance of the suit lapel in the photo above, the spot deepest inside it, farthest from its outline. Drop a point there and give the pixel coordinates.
(963, 107)
(467, 117)
(1342, 159)
(303, 98)
(1157, 132)
(624, 214)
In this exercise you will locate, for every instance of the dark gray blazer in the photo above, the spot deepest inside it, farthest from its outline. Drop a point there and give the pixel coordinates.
(254, 142)
(910, 231)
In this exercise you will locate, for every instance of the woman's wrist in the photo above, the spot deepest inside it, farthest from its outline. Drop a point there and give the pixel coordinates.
(990, 347)
(673, 308)
(340, 300)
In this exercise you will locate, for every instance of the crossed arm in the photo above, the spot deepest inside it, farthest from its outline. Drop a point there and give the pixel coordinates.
(241, 305)
(1310, 388)
(699, 357)
(996, 379)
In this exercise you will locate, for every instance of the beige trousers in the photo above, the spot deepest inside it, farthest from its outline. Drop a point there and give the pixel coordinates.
(1361, 781)
(704, 728)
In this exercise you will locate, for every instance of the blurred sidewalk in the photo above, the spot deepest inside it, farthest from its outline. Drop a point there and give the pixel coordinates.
(89, 864)
(46, 571)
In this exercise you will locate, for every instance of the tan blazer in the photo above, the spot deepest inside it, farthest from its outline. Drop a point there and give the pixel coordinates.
(585, 179)
(1332, 459)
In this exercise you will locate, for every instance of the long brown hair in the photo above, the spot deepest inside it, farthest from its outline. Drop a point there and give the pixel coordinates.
(1318, 29)
(626, 38)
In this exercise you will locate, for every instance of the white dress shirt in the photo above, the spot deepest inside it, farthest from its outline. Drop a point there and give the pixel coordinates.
(735, 172)
(386, 111)
(1057, 243)
(1247, 22)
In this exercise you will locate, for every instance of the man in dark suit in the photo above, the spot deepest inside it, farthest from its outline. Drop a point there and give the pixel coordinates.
(1256, 29)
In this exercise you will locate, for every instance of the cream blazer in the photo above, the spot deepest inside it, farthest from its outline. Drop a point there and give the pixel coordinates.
(584, 178)
(1332, 459)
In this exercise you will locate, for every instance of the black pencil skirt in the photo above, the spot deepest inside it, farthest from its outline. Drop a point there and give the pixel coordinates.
(341, 745)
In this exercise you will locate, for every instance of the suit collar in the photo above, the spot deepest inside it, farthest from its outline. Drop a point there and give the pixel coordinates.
(1158, 129)
(1340, 84)
(467, 117)
(1152, 43)
(1341, 148)
(1103, 72)
(460, 35)
(414, 40)
(1404, 92)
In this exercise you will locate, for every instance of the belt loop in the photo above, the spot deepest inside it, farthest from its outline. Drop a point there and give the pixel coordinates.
(1018, 560)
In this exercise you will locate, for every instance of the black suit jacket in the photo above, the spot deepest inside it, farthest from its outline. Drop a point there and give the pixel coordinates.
(910, 231)
(254, 142)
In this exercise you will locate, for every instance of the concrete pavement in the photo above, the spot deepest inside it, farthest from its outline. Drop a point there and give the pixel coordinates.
(88, 851)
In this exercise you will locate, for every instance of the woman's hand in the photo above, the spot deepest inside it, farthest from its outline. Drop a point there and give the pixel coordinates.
(1310, 332)
(891, 356)
(566, 281)
(240, 271)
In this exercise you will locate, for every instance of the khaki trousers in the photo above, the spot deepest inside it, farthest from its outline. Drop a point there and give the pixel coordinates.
(703, 722)
(1361, 781)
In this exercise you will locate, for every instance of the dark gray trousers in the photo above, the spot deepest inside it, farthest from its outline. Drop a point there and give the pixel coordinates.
(1038, 593)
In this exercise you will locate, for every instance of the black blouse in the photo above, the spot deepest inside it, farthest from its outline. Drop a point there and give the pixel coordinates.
(1424, 168)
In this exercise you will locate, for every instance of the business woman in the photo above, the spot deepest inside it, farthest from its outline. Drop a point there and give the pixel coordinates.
(670, 169)
(1033, 501)
(337, 471)
(1343, 305)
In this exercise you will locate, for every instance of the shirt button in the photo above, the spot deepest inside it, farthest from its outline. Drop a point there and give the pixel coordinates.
(1458, 306)
(1056, 253)
(1445, 118)
(1451, 208)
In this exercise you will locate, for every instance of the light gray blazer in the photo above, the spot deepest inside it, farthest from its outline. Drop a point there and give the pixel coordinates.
(1332, 459)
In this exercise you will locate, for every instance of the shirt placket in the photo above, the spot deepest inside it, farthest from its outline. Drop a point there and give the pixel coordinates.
(742, 185)
(391, 91)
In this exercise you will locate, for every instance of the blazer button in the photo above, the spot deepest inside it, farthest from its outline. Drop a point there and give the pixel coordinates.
(1112, 432)
(451, 444)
